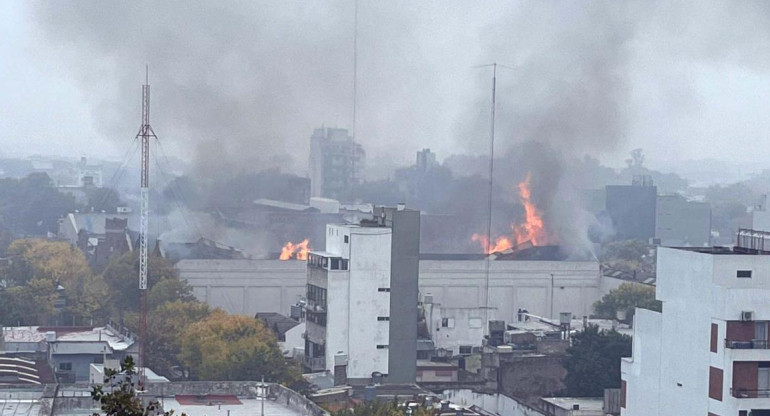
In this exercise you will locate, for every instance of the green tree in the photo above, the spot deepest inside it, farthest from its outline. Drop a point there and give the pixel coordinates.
(627, 255)
(169, 290)
(32, 205)
(593, 362)
(88, 300)
(30, 304)
(626, 298)
(122, 277)
(234, 347)
(122, 399)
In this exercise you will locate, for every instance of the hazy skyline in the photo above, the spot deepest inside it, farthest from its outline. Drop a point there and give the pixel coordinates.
(246, 81)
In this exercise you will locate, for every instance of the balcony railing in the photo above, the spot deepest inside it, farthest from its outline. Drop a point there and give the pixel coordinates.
(315, 363)
(750, 394)
(757, 344)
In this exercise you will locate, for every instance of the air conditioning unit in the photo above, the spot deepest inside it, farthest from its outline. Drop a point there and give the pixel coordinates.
(747, 316)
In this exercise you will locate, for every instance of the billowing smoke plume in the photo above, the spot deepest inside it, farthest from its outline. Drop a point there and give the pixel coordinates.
(239, 84)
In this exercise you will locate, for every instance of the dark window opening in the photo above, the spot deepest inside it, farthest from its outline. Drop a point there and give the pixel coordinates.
(382, 347)
(444, 322)
(384, 289)
(465, 349)
(744, 274)
(383, 318)
(347, 239)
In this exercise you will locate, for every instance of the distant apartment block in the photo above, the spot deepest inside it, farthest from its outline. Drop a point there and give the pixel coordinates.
(336, 163)
(632, 209)
(682, 223)
(707, 353)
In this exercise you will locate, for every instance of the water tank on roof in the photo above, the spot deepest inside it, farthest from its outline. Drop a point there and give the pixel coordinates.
(50, 336)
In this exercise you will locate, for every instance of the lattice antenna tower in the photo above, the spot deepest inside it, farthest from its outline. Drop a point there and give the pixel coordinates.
(145, 134)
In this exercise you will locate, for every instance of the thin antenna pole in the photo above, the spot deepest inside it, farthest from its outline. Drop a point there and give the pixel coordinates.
(489, 206)
(355, 68)
(145, 133)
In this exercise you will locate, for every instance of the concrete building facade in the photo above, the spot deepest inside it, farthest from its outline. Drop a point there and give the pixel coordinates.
(682, 223)
(632, 209)
(336, 163)
(707, 352)
(348, 302)
(251, 286)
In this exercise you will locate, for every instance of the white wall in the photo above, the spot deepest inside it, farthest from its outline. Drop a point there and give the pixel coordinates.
(466, 326)
(494, 403)
(642, 371)
(369, 270)
(669, 373)
(514, 284)
(250, 286)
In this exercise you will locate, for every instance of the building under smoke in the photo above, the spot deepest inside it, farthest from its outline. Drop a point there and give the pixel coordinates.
(336, 163)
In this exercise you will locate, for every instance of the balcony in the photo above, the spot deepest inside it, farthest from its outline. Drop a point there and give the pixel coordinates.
(315, 363)
(750, 394)
(757, 344)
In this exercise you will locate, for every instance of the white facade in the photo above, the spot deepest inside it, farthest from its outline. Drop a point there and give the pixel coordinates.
(544, 288)
(452, 328)
(348, 308)
(250, 286)
(697, 356)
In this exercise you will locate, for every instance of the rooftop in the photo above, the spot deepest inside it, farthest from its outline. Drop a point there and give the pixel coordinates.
(585, 403)
(247, 407)
(19, 407)
(281, 205)
(65, 335)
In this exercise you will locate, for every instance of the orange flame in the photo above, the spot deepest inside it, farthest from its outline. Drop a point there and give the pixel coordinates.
(502, 243)
(532, 231)
(298, 251)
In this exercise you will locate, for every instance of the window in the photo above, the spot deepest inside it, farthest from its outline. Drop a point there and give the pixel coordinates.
(743, 274)
(65, 366)
(382, 347)
(715, 383)
(444, 322)
(347, 239)
(465, 349)
(383, 318)
(384, 289)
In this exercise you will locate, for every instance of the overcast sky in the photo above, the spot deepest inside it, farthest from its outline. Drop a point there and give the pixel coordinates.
(247, 81)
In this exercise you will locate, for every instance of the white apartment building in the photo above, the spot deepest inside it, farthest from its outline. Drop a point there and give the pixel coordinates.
(707, 352)
(348, 302)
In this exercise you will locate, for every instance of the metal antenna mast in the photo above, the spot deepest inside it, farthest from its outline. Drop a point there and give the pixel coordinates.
(491, 176)
(145, 133)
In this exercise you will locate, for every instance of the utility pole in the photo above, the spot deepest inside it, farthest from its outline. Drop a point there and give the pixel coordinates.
(144, 134)
(263, 395)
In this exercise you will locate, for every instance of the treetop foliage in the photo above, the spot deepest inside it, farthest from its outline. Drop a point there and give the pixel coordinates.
(593, 363)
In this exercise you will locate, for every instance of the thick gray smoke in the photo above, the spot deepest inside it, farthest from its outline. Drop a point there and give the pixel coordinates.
(239, 84)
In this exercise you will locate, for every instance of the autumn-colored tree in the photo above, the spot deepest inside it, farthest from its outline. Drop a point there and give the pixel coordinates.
(234, 347)
(37, 268)
(165, 326)
(32, 258)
